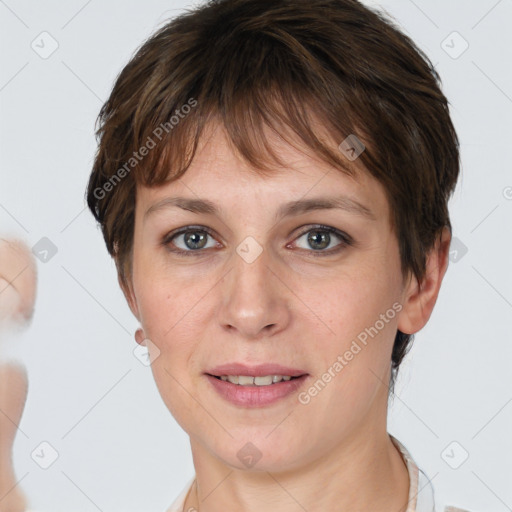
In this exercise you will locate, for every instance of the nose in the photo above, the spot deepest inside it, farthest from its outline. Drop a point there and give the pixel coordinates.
(255, 301)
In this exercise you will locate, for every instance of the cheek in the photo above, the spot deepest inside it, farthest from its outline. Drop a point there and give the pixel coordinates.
(352, 356)
(351, 306)
(358, 325)
(170, 321)
(175, 313)
(160, 298)
(167, 312)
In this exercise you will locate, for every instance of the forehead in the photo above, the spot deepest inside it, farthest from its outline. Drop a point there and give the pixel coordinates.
(218, 172)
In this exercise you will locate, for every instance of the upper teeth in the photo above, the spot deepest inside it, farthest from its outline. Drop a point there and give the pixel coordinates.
(244, 380)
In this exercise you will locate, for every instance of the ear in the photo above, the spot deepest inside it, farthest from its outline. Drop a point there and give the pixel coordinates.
(126, 286)
(419, 299)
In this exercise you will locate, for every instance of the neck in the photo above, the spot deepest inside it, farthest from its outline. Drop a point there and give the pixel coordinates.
(370, 475)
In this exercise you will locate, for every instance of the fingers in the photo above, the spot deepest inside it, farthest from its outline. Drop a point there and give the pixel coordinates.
(18, 281)
(13, 394)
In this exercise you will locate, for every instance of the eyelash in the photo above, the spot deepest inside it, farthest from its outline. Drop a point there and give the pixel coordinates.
(346, 240)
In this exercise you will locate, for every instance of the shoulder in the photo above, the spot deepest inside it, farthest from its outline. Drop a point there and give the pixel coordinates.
(422, 496)
(178, 504)
(439, 504)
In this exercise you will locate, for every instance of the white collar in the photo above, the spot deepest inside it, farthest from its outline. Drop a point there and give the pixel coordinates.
(421, 492)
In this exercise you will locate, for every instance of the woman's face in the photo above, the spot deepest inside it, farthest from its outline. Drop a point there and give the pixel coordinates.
(262, 281)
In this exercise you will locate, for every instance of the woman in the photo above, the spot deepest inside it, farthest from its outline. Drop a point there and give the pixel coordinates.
(272, 182)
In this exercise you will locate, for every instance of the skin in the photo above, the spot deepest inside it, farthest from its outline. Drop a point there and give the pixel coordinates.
(289, 307)
(17, 297)
(13, 394)
(17, 281)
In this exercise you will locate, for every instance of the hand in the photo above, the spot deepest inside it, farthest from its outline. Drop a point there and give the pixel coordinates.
(17, 297)
(13, 394)
(17, 282)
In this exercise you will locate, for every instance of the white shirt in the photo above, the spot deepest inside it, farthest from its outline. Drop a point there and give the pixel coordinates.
(421, 492)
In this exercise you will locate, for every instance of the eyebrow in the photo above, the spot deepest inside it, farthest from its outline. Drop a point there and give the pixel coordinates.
(292, 208)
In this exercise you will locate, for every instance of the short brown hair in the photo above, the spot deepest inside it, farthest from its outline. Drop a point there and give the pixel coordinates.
(251, 64)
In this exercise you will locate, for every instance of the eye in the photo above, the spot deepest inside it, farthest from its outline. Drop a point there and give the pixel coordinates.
(188, 240)
(319, 238)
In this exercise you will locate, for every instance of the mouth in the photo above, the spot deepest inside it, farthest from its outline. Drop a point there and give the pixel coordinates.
(265, 370)
(247, 380)
(256, 386)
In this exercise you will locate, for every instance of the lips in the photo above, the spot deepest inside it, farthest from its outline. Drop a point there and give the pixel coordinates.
(255, 396)
(259, 370)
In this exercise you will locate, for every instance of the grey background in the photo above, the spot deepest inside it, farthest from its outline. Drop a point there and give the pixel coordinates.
(96, 404)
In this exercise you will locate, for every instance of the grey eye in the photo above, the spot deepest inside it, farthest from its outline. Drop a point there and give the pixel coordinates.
(318, 239)
(192, 240)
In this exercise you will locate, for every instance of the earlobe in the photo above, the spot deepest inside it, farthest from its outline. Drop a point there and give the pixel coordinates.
(140, 337)
(420, 298)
